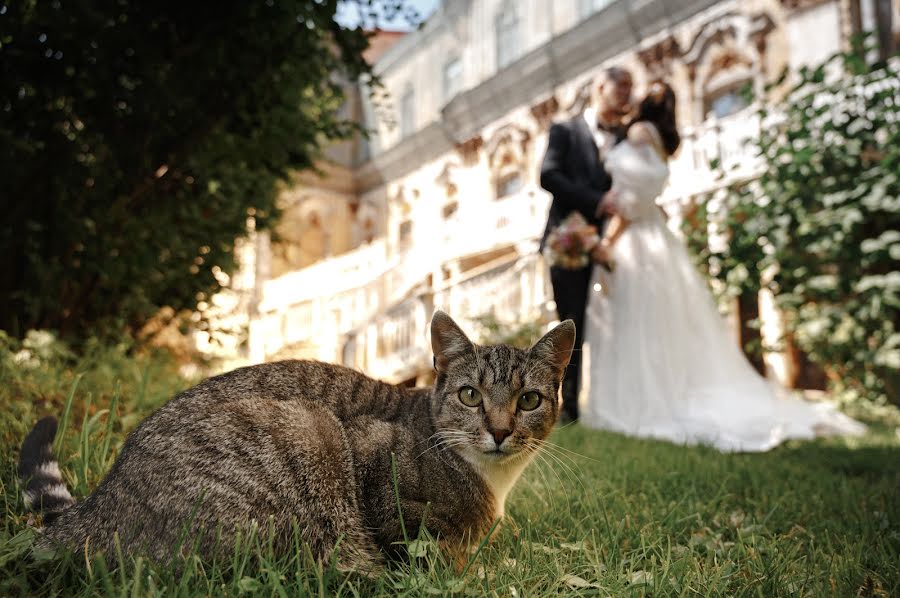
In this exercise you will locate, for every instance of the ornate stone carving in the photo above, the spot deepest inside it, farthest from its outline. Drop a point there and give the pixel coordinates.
(657, 59)
(543, 112)
(468, 149)
(730, 32)
(726, 59)
(400, 200)
(713, 32)
(509, 142)
(446, 179)
(733, 27)
(581, 100)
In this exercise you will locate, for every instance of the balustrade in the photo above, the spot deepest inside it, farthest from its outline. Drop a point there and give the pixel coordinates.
(370, 309)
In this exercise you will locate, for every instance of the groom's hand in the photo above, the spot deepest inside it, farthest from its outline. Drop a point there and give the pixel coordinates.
(607, 204)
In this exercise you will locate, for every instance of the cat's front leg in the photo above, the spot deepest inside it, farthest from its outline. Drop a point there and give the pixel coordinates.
(454, 536)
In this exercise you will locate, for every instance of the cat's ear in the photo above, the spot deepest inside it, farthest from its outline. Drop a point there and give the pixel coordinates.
(447, 340)
(555, 347)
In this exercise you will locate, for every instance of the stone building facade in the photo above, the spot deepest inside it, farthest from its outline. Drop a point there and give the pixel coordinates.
(440, 206)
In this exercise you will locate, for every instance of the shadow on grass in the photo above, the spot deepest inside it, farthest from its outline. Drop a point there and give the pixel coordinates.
(873, 463)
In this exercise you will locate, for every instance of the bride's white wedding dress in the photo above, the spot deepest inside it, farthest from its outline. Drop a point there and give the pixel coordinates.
(658, 359)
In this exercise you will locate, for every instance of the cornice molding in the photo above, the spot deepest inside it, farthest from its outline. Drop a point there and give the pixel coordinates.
(607, 33)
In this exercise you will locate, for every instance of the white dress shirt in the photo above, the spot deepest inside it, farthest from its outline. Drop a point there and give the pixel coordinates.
(604, 139)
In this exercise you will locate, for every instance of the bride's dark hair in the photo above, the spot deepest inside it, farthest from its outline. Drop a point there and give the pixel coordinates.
(659, 108)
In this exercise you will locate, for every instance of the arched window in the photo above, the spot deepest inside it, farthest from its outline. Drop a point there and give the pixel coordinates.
(507, 152)
(452, 78)
(408, 112)
(728, 84)
(508, 183)
(508, 177)
(506, 31)
(726, 101)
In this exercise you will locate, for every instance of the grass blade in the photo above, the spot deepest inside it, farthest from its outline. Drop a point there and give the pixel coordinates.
(64, 418)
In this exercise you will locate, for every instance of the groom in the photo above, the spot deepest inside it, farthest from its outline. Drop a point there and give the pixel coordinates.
(573, 172)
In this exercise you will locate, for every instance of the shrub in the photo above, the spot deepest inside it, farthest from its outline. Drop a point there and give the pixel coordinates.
(821, 226)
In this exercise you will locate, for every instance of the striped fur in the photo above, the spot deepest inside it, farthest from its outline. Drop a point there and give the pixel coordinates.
(320, 449)
(44, 488)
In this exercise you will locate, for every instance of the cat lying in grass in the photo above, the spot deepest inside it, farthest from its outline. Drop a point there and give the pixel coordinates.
(316, 449)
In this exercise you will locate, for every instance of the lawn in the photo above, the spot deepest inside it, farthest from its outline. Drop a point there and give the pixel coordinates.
(600, 514)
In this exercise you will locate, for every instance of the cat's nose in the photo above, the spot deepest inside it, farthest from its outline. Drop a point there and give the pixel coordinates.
(500, 435)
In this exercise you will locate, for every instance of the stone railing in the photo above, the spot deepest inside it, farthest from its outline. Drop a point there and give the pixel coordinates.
(306, 313)
(309, 306)
(723, 140)
(513, 290)
(369, 308)
(496, 223)
(327, 277)
(395, 345)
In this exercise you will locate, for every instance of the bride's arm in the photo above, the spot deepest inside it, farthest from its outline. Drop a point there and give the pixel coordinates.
(638, 134)
(603, 250)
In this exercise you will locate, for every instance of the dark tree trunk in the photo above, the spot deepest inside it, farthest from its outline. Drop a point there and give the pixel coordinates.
(748, 310)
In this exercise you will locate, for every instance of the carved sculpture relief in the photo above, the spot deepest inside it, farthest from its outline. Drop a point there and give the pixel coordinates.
(544, 111)
(508, 152)
(446, 179)
(581, 98)
(726, 53)
(658, 58)
(468, 149)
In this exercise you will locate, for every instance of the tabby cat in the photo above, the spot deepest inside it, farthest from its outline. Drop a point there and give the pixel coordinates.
(316, 449)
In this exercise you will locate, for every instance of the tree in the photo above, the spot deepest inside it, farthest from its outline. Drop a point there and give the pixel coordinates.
(821, 226)
(137, 137)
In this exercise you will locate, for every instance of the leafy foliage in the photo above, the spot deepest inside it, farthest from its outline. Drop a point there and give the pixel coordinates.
(136, 138)
(821, 226)
(522, 334)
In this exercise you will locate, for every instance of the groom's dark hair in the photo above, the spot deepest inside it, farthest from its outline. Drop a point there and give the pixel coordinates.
(615, 73)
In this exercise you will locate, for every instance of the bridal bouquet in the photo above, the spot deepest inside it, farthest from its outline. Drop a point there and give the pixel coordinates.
(569, 245)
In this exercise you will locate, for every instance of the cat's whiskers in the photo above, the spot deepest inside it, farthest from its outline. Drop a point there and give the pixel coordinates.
(439, 435)
(545, 452)
(568, 425)
(535, 485)
(560, 453)
(427, 440)
(447, 439)
(558, 447)
(543, 462)
(570, 472)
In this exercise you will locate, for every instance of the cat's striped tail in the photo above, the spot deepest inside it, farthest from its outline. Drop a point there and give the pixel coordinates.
(44, 489)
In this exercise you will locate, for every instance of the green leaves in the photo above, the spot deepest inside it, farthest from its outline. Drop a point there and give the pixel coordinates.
(133, 135)
(828, 207)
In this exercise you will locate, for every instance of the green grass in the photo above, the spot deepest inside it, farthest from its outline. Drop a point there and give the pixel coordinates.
(623, 517)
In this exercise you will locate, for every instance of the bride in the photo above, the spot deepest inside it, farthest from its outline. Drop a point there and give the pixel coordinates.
(659, 361)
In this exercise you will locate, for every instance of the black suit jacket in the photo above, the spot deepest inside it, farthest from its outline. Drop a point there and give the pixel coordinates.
(573, 173)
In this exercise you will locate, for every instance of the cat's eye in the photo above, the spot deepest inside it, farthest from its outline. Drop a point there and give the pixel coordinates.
(469, 397)
(529, 401)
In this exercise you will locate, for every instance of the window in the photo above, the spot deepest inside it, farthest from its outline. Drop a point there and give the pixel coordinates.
(508, 184)
(452, 78)
(589, 7)
(725, 103)
(405, 233)
(506, 27)
(408, 113)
